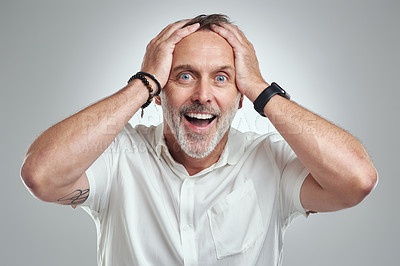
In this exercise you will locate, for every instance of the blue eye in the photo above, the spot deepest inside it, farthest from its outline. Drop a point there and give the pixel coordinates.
(185, 76)
(221, 78)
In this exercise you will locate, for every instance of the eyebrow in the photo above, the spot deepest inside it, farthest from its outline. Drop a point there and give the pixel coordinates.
(190, 67)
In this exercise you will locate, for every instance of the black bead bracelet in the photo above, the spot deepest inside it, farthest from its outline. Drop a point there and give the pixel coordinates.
(154, 79)
(141, 76)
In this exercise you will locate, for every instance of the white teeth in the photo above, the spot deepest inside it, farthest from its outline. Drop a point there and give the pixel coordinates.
(199, 116)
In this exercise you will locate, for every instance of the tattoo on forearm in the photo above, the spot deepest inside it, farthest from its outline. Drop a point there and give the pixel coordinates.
(77, 197)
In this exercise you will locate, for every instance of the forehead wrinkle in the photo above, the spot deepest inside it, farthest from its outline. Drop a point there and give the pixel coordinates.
(213, 69)
(203, 51)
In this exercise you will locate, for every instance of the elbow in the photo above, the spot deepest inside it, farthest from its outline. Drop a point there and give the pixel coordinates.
(34, 181)
(364, 183)
(28, 176)
(370, 181)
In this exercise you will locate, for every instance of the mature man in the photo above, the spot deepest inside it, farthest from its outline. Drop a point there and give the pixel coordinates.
(193, 190)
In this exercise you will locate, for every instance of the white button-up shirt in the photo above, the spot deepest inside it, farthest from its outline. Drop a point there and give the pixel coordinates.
(149, 211)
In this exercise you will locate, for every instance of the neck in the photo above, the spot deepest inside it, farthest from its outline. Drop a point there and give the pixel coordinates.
(194, 165)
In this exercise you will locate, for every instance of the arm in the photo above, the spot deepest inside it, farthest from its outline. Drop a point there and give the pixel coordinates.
(341, 173)
(56, 161)
(55, 164)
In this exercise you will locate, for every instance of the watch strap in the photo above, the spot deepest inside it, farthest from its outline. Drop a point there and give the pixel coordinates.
(266, 95)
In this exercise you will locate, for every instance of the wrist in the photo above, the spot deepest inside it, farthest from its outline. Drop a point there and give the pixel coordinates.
(137, 91)
(266, 95)
(256, 90)
(143, 77)
(151, 79)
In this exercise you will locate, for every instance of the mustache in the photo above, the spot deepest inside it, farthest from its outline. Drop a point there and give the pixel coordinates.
(200, 108)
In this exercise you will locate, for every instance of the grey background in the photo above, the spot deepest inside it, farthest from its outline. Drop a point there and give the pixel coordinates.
(340, 59)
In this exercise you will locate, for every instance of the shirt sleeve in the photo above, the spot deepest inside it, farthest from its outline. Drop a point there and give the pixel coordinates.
(100, 176)
(292, 175)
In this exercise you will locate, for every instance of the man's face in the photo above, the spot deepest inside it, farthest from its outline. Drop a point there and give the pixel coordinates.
(200, 99)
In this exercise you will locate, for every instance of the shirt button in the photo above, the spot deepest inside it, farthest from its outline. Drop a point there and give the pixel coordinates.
(188, 227)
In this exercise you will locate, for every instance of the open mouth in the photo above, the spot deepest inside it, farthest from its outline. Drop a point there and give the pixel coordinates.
(199, 120)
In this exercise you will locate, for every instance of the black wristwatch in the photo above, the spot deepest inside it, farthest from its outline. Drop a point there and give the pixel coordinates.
(266, 95)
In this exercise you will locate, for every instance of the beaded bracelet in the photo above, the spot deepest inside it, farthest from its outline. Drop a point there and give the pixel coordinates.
(154, 79)
(140, 76)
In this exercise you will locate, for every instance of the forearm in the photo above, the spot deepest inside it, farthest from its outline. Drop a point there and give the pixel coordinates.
(341, 172)
(63, 152)
(336, 159)
(61, 155)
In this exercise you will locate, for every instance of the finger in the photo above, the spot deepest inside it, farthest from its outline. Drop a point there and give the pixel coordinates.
(167, 31)
(173, 26)
(239, 34)
(170, 29)
(228, 35)
(182, 33)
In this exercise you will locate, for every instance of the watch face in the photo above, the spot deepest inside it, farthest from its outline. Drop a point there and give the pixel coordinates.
(266, 95)
(283, 92)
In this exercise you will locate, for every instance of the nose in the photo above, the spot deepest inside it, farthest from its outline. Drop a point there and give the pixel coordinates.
(202, 92)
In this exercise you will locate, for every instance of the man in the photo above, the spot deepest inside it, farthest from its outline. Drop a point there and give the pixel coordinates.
(193, 190)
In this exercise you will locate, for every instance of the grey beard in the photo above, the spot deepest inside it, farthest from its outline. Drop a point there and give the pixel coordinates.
(195, 145)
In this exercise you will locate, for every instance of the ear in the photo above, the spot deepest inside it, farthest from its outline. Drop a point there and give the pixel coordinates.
(241, 101)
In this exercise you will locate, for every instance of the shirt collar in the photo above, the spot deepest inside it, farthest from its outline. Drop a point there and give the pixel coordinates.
(159, 139)
(234, 147)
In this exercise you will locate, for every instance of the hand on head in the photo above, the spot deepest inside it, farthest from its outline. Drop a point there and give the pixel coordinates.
(248, 76)
(159, 52)
(158, 57)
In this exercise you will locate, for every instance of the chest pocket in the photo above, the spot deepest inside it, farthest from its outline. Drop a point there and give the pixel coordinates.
(236, 221)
